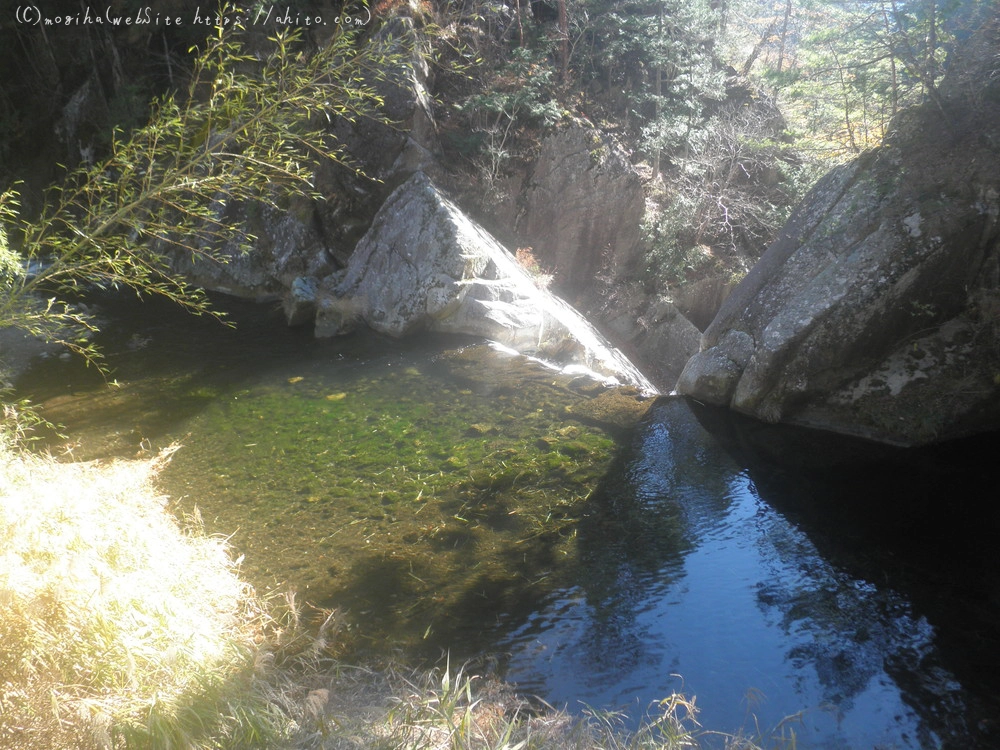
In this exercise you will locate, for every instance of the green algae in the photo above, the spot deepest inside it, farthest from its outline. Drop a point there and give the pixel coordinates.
(408, 492)
(425, 488)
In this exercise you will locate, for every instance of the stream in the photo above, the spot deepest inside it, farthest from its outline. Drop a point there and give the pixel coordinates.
(452, 498)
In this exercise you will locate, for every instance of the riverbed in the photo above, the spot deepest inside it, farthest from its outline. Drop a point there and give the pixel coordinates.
(594, 546)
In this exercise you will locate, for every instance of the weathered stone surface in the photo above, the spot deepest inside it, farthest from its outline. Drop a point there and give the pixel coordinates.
(876, 310)
(386, 151)
(424, 265)
(305, 238)
(299, 302)
(580, 207)
(651, 330)
(700, 300)
(713, 375)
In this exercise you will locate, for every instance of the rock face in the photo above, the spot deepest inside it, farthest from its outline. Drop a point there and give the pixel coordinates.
(580, 206)
(877, 310)
(651, 331)
(425, 266)
(311, 239)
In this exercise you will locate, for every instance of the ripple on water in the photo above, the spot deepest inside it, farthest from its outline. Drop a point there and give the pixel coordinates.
(447, 496)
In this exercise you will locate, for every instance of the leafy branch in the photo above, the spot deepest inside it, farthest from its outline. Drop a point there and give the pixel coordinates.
(248, 127)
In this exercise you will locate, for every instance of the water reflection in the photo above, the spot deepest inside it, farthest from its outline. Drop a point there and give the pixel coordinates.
(694, 581)
(451, 500)
(904, 523)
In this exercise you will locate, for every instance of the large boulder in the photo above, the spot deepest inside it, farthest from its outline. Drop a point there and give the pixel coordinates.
(877, 310)
(308, 238)
(424, 265)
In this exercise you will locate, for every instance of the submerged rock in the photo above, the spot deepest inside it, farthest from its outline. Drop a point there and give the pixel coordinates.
(615, 409)
(426, 266)
(877, 310)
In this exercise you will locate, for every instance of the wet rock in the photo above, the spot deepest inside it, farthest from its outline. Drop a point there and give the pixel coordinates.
(481, 430)
(299, 302)
(617, 408)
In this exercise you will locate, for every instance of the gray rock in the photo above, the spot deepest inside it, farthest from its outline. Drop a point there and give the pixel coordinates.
(710, 376)
(653, 332)
(876, 310)
(426, 266)
(580, 207)
(299, 302)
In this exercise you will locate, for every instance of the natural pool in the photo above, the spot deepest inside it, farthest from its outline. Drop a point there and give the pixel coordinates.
(447, 496)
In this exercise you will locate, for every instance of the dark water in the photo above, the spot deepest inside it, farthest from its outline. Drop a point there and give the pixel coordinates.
(449, 497)
(771, 576)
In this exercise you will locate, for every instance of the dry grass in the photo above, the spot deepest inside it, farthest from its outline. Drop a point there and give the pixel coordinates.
(119, 629)
(115, 626)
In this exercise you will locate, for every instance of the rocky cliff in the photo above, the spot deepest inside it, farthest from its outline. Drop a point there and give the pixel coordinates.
(877, 310)
(390, 250)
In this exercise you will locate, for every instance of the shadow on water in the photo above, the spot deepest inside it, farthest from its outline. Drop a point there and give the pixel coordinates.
(424, 486)
(448, 497)
(770, 576)
(918, 522)
(162, 365)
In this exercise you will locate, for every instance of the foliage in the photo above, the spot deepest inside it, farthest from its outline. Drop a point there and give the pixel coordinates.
(520, 95)
(11, 269)
(249, 127)
(726, 200)
(20, 424)
(651, 61)
(844, 69)
(460, 711)
(658, 53)
(525, 258)
(650, 71)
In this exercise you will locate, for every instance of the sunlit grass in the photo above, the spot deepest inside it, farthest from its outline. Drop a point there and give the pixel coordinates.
(119, 629)
(116, 628)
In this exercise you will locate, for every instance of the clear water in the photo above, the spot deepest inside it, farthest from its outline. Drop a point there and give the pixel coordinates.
(734, 604)
(449, 497)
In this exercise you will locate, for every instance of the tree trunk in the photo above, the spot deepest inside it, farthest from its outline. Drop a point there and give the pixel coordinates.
(657, 93)
(845, 92)
(784, 33)
(894, 82)
(755, 52)
(563, 41)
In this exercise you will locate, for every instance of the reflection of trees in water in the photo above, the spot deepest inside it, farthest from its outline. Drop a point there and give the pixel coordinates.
(854, 548)
(851, 632)
(845, 628)
(643, 522)
(848, 626)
